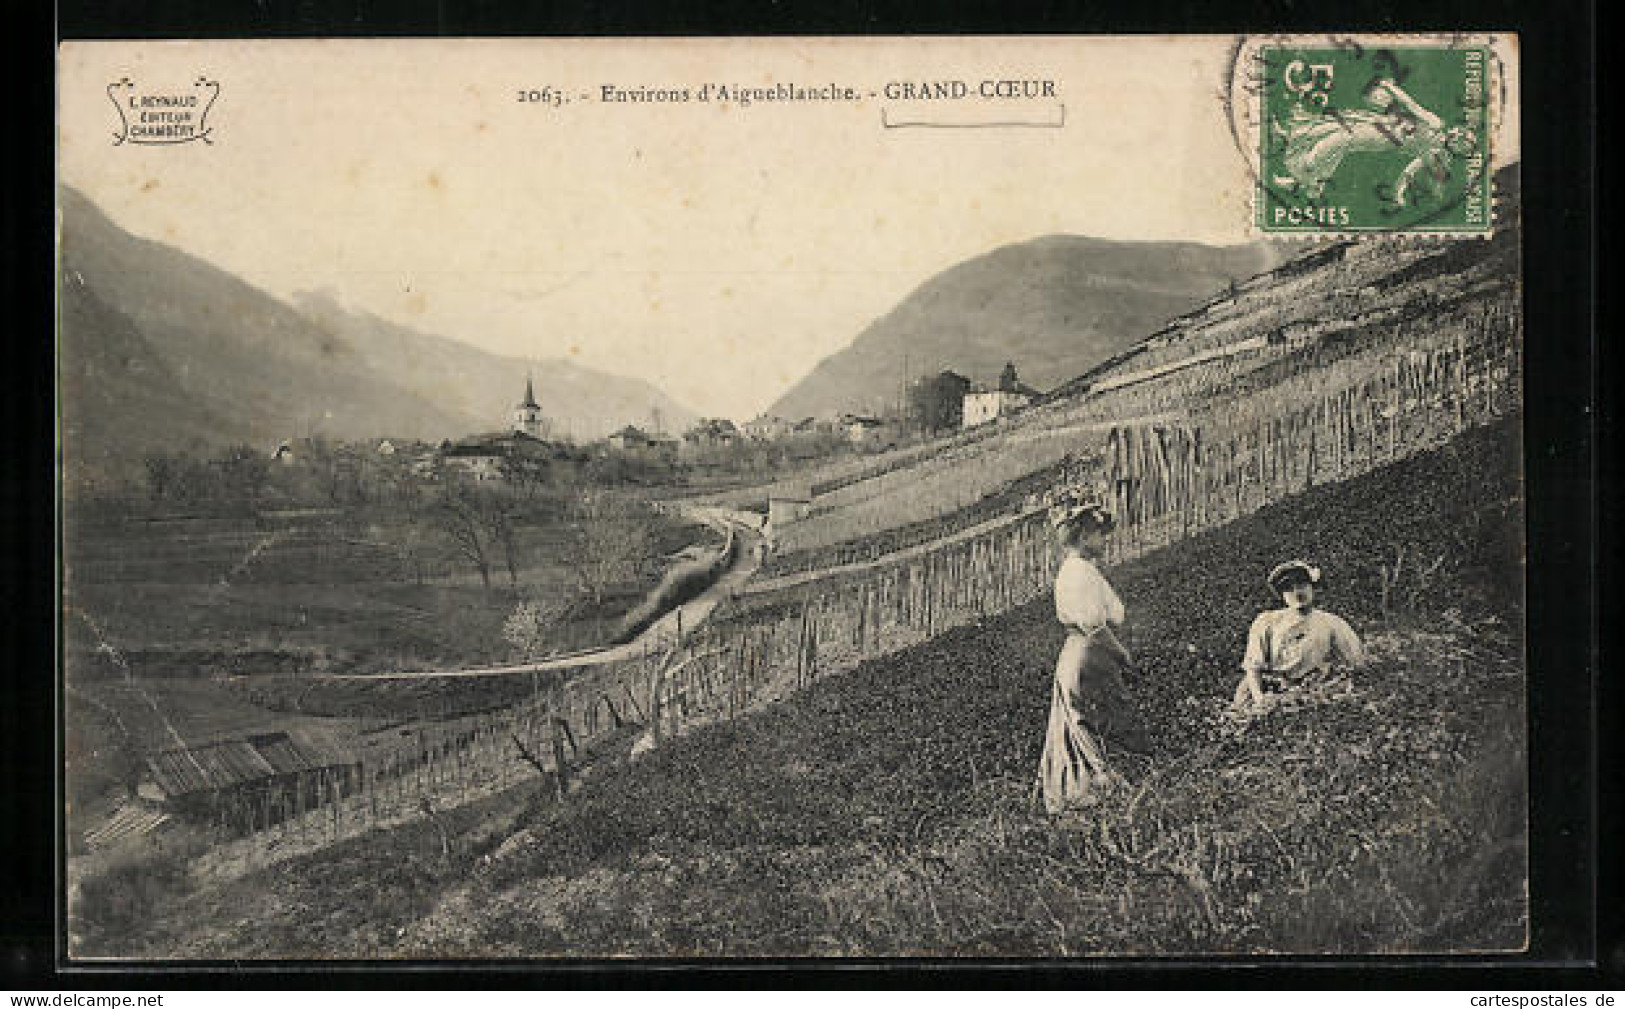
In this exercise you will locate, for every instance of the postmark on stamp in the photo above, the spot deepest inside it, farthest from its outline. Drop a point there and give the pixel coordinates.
(1355, 138)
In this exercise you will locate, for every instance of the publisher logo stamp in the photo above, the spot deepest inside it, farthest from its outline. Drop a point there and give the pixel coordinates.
(1357, 139)
(163, 116)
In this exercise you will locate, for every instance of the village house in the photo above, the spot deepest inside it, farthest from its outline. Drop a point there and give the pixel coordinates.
(768, 428)
(860, 430)
(634, 441)
(628, 439)
(664, 447)
(483, 457)
(984, 405)
(426, 465)
(711, 433)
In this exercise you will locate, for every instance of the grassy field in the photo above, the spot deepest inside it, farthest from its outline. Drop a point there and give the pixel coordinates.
(179, 600)
(185, 632)
(888, 811)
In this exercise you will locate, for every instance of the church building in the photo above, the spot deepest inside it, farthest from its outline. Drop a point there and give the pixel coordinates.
(485, 456)
(527, 416)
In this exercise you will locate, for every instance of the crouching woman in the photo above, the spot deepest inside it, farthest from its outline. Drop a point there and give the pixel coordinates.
(1089, 692)
(1291, 646)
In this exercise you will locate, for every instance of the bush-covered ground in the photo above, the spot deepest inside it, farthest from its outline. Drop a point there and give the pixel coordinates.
(889, 810)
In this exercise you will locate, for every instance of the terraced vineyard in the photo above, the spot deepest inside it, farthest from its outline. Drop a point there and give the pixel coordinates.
(1007, 500)
(888, 810)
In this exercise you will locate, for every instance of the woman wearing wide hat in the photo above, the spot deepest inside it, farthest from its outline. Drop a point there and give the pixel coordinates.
(1089, 697)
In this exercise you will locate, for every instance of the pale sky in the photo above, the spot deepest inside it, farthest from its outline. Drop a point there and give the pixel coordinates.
(716, 251)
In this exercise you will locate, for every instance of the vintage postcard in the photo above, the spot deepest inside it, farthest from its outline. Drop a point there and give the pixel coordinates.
(786, 497)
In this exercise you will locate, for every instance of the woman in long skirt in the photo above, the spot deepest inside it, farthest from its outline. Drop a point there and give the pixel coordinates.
(1089, 685)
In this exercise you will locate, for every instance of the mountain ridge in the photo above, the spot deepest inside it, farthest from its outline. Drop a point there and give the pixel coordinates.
(160, 349)
(590, 403)
(1055, 306)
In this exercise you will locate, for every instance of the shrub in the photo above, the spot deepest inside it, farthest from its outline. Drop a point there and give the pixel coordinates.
(121, 900)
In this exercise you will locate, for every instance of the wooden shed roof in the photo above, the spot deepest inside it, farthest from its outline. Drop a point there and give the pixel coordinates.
(208, 768)
(235, 762)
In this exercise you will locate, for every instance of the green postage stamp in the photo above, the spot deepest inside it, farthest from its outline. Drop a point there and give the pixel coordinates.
(1356, 138)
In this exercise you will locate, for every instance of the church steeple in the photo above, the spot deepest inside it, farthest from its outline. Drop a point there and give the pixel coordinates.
(527, 416)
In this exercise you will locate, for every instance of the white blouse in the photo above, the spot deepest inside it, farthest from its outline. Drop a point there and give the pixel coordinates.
(1083, 597)
(1296, 644)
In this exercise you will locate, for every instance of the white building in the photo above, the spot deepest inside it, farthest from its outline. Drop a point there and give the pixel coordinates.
(767, 428)
(983, 404)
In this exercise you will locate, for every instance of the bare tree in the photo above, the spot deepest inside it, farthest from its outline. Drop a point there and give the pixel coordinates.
(331, 468)
(527, 473)
(457, 513)
(244, 472)
(410, 522)
(497, 517)
(937, 403)
(412, 544)
(403, 487)
(162, 471)
(611, 543)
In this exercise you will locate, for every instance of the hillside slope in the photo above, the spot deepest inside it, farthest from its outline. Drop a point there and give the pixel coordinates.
(1056, 306)
(1320, 317)
(240, 363)
(887, 811)
(160, 349)
(119, 395)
